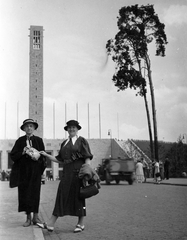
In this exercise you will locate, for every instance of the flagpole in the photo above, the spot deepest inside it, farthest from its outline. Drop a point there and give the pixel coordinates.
(88, 121)
(99, 121)
(110, 134)
(65, 119)
(118, 125)
(54, 120)
(18, 131)
(5, 120)
(77, 111)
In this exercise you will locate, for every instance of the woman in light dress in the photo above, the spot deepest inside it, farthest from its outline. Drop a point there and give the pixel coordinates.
(139, 172)
(157, 178)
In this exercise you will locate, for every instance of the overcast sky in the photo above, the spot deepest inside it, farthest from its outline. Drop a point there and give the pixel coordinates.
(77, 69)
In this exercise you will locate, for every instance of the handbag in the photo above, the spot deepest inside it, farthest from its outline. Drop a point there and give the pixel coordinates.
(14, 175)
(88, 191)
(158, 174)
(33, 153)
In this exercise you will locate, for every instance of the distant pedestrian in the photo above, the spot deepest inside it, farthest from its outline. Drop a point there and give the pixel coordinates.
(157, 173)
(166, 168)
(139, 172)
(3, 175)
(161, 168)
(31, 167)
(51, 176)
(145, 169)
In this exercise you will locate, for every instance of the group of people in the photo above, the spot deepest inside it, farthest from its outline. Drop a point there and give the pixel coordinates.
(160, 171)
(4, 175)
(74, 154)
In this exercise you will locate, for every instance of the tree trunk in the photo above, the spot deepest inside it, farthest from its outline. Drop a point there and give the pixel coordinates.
(148, 116)
(153, 107)
(149, 127)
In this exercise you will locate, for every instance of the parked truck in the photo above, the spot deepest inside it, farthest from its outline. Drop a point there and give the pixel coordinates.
(117, 169)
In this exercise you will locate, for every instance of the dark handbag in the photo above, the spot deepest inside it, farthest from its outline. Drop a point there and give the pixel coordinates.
(88, 191)
(14, 175)
(158, 174)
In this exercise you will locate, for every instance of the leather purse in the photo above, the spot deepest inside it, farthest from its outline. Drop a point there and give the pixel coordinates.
(88, 191)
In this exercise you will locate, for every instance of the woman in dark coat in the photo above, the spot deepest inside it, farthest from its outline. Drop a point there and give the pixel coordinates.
(74, 152)
(30, 171)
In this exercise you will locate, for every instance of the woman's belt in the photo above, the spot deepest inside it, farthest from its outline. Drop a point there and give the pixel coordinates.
(74, 157)
(66, 161)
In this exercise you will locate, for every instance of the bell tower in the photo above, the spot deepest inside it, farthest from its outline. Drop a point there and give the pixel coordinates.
(36, 77)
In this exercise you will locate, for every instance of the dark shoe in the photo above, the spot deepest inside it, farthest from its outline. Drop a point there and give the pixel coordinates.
(79, 228)
(28, 221)
(44, 226)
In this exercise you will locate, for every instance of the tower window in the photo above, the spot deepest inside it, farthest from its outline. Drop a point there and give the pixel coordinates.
(36, 96)
(36, 112)
(36, 39)
(36, 88)
(36, 80)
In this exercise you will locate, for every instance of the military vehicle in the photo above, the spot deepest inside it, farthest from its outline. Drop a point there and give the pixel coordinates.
(117, 169)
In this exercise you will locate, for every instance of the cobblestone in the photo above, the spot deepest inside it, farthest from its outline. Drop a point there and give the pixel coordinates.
(137, 212)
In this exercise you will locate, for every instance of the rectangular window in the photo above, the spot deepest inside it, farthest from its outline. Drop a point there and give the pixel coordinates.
(36, 40)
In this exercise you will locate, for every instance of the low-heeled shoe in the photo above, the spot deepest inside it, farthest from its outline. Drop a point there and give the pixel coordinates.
(79, 228)
(45, 226)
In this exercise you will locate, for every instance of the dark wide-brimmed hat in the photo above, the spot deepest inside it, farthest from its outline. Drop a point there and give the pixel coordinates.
(73, 123)
(29, 121)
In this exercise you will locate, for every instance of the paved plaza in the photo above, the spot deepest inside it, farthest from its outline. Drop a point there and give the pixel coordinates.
(119, 212)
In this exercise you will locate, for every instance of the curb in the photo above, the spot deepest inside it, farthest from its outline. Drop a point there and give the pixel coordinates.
(38, 234)
(172, 184)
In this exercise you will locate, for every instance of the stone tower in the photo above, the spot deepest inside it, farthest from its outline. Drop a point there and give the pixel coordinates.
(36, 77)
